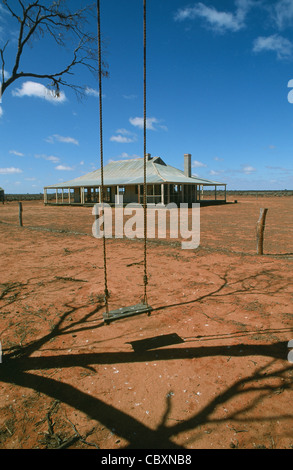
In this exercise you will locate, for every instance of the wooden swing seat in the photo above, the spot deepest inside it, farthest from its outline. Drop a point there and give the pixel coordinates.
(124, 312)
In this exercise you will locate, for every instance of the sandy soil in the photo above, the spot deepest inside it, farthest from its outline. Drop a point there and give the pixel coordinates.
(207, 369)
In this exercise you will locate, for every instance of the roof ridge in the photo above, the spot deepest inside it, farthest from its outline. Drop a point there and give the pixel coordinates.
(126, 160)
(157, 171)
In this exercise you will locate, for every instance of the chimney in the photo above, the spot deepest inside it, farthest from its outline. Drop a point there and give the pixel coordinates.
(187, 164)
(148, 156)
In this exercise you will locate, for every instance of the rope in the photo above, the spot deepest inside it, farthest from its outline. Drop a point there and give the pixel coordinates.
(145, 278)
(106, 292)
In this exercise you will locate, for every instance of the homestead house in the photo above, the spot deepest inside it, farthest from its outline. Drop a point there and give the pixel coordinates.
(165, 184)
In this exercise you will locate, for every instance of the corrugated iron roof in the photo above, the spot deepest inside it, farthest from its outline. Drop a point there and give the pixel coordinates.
(125, 172)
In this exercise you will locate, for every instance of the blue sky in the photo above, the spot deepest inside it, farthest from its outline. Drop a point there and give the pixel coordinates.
(219, 81)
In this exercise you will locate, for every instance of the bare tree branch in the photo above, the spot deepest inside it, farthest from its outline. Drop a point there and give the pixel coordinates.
(3, 63)
(37, 20)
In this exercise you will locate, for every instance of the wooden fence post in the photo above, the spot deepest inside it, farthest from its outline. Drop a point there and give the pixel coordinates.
(260, 230)
(20, 213)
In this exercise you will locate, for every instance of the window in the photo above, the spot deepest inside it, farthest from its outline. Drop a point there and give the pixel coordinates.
(107, 194)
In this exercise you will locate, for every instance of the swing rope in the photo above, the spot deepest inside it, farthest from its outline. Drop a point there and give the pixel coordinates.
(102, 189)
(145, 277)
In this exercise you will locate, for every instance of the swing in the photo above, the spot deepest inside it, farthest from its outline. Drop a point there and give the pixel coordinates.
(110, 316)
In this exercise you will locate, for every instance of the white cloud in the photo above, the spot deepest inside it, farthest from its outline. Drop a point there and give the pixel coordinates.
(1, 30)
(63, 168)
(121, 139)
(129, 97)
(275, 43)
(92, 92)
(220, 21)
(127, 156)
(279, 168)
(50, 158)
(10, 171)
(139, 122)
(60, 138)
(247, 169)
(66, 140)
(15, 152)
(150, 123)
(53, 159)
(1, 111)
(123, 136)
(197, 164)
(218, 159)
(34, 89)
(283, 13)
(124, 132)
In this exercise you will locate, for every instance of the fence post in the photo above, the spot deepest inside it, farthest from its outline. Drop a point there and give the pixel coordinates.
(20, 213)
(260, 230)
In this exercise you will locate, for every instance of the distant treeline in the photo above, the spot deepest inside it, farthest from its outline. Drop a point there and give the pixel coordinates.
(207, 192)
(25, 197)
(268, 193)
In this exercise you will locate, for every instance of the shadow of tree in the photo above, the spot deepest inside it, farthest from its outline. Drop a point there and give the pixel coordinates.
(18, 365)
(10, 292)
(260, 283)
(276, 350)
(57, 330)
(136, 433)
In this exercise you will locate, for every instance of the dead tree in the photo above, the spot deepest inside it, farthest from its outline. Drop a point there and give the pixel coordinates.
(40, 19)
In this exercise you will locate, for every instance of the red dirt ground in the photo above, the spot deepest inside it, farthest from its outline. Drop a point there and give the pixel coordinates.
(208, 369)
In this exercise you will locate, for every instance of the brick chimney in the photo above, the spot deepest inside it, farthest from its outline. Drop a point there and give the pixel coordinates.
(187, 164)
